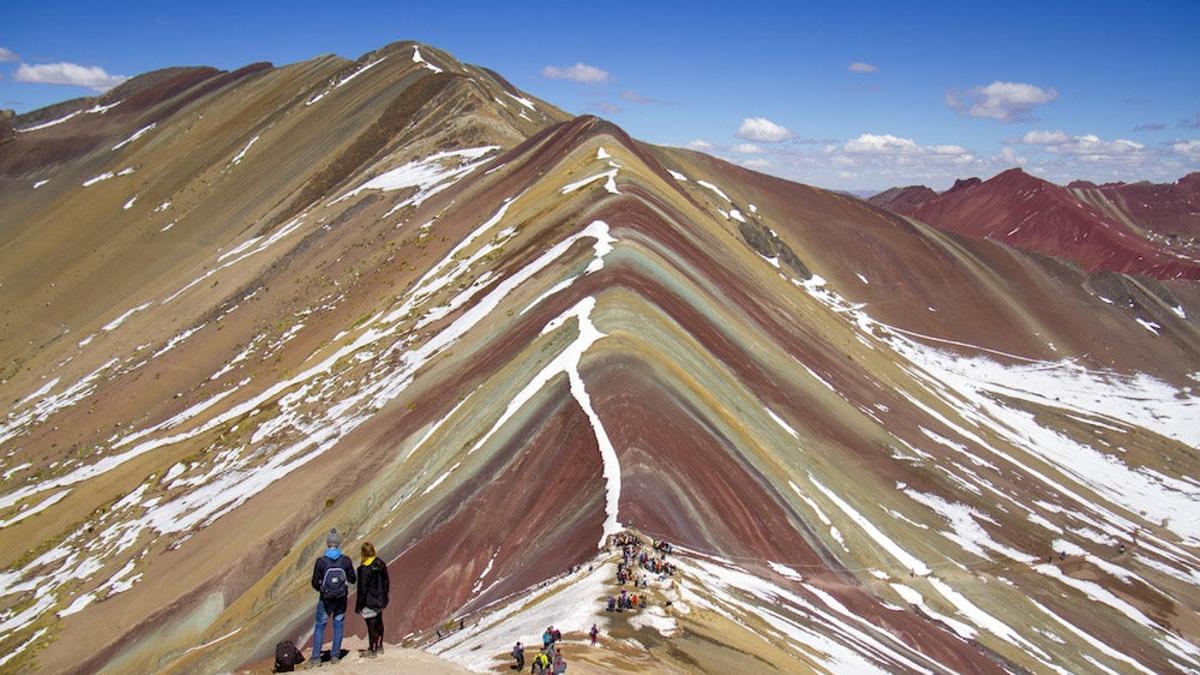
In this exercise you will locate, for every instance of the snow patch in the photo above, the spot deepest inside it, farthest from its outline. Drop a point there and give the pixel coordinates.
(237, 159)
(714, 188)
(136, 135)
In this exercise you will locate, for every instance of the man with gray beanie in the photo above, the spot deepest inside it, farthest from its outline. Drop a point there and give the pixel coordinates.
(332, 575)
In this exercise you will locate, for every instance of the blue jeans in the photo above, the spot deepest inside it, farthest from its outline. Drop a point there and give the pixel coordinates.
(339, 621)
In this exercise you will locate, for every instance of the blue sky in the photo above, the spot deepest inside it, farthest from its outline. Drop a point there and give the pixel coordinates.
(1096, 90)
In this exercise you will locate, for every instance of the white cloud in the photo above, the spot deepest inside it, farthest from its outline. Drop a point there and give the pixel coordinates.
(1189, 149)
(861, 67)
(699, 144)
(948, 150)
(634, 97)
(889, 150)
(758, 163)
(1010, 157)
(1044, 138)
(93, 77)
(876, 161)
(1088, 147)
(607, 108)
(580, 72)
(762, 129)
(1004, 101)
(747, 148)
(880, 144)
(8, 55)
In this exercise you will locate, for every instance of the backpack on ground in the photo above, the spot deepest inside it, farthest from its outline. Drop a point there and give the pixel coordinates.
(334, 583)
(287, 657)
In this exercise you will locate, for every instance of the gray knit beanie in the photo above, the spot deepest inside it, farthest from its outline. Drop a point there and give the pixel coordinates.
(333, 539)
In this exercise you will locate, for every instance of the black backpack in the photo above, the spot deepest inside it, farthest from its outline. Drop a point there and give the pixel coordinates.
(287, 657)
(334, 583)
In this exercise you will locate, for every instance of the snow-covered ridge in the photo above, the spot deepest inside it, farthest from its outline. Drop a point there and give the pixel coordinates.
(94, 110)
(430, 175)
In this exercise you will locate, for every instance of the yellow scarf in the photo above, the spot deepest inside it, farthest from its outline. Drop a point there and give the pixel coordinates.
(368, 561)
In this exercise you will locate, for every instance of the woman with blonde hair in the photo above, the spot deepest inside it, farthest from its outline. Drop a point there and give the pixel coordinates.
(372, 596)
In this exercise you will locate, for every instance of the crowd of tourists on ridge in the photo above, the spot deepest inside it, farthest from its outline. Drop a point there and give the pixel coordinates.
(334, 573)
(633, 553)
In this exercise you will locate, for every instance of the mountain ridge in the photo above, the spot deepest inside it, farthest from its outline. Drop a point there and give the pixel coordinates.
(493, 335)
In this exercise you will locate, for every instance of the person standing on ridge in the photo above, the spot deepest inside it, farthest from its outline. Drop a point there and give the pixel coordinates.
(372, 597)
(332, 575)
(595, 631)
(518, 653)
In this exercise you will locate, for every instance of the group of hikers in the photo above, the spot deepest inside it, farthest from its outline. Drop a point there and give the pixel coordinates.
(333, 573)
(622, 602)
(633, 552)
(550, 660)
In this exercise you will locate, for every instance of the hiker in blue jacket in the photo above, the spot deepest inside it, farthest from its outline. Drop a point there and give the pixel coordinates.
(332, 575)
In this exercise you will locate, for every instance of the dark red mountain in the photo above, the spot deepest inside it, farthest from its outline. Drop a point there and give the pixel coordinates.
(1139, 228)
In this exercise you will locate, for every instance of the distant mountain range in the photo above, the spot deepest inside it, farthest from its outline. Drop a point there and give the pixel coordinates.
(1137, 228)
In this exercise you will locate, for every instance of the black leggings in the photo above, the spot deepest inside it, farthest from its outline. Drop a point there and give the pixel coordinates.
(375, 632)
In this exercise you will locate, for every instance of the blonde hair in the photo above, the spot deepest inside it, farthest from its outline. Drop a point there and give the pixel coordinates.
(368, 550)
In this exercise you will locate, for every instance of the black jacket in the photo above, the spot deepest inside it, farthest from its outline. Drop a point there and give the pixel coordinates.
(373, 586)
(324, 563)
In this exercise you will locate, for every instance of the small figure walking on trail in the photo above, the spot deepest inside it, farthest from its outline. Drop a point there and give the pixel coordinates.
(547, 637)
(560, 665)
(593, 633)
(518, 653)
(540, 664)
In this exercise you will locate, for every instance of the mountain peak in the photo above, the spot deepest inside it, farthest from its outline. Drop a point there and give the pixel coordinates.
(963, 184)
(902, 198)
(1016, 174)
